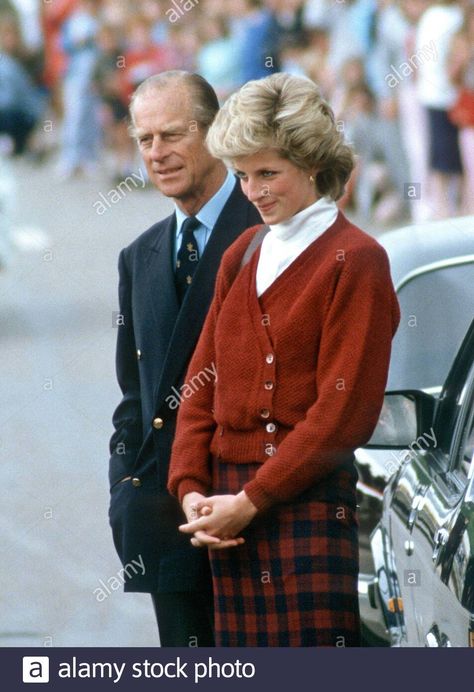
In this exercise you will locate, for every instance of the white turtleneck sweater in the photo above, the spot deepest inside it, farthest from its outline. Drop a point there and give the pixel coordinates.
(286, 240)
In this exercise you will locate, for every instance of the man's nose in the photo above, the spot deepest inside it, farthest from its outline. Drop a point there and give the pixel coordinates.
(158, 150)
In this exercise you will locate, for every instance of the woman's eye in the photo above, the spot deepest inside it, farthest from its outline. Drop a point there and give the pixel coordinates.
(268, 174)
(240, 175)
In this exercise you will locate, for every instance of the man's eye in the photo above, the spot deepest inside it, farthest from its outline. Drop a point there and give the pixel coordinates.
(173, 136)
(143, 141)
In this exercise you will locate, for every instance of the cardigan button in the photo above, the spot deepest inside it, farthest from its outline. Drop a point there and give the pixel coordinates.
(269, 358)
(136, 482)
(265, 413)
(270, 427)
(157, 423)
(268, 385)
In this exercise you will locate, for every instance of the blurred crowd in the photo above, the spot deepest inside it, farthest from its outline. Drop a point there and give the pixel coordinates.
(392, 70)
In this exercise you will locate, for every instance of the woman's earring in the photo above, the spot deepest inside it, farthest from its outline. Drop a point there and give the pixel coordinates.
(311, 178)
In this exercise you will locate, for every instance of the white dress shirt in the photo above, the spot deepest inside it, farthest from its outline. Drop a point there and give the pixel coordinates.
(285, 241)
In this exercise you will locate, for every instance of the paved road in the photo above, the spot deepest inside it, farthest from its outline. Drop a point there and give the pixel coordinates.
(58, 392)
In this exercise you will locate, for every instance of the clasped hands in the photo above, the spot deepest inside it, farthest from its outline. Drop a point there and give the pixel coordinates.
(215, 522)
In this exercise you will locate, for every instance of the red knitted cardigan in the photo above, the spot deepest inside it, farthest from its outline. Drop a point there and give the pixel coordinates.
(301, 371)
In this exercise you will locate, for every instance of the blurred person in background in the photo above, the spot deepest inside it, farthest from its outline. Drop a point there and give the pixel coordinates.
(28, 13)
(12, 38)
(316, 59)
(53, 17)
(288, 21)
(352, 74)
(437, 94)
(292, 54)
(114, 115)
(81, 130)
(183, 45)
(117, 13)
(143, 57)
(216, 57)
(154, 12)
(166, 283)
(461, 71)
(21, 102)
(397, 92)
(375, 188)
(258, 39)
(349, 26)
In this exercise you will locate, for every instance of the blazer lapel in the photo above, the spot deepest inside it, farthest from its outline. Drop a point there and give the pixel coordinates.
(159, 278)
(234, 218)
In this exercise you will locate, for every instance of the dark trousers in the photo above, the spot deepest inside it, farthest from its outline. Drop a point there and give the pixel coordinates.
(18, 125)
(185, 619)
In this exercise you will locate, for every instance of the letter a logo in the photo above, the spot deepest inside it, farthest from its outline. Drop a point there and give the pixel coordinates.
(35, 669)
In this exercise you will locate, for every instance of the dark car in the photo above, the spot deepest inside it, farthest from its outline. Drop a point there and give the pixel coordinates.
(423, 546)
(432, 267)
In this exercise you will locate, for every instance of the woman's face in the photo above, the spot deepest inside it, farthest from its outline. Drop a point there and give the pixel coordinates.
(277, 187)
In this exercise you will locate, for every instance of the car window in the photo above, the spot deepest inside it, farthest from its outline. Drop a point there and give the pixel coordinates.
(436, 310)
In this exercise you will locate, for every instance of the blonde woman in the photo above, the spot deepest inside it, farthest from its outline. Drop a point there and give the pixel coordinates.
(299, 334)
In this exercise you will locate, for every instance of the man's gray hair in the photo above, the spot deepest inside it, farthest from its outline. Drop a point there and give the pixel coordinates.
(204, 101)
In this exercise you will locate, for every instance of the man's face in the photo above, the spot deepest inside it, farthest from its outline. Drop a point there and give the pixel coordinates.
(173, 149)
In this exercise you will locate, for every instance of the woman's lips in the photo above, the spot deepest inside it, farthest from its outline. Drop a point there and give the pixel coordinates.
(264, 208)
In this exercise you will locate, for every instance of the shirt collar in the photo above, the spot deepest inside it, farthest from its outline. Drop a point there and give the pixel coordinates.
(210, 212)
(319, 215)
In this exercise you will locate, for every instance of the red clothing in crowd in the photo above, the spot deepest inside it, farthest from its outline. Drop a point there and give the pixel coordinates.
(141, 63)
(53, 15)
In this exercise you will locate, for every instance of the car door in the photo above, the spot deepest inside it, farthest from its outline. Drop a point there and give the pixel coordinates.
(442, 538)
(406, 499)
(424, 502)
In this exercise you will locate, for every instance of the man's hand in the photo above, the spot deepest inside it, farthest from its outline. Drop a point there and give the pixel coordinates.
(220, 519)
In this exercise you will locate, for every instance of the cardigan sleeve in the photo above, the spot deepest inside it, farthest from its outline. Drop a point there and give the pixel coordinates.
(351, 374)
(189, 465)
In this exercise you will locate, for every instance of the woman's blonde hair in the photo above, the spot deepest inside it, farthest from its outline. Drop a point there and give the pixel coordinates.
(286, 113)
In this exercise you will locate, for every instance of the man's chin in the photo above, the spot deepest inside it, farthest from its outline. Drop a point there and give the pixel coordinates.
(170, 188)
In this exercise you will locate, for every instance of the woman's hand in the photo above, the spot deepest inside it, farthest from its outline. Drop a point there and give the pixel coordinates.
(220, 519)
(190, 503)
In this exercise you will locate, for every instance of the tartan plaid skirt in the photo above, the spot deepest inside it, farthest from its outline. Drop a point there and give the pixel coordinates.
(294, 580)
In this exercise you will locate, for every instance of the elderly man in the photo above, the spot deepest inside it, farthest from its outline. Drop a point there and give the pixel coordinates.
(166, 284)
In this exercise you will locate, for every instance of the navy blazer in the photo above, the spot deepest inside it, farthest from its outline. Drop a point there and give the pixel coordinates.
(155, 342)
